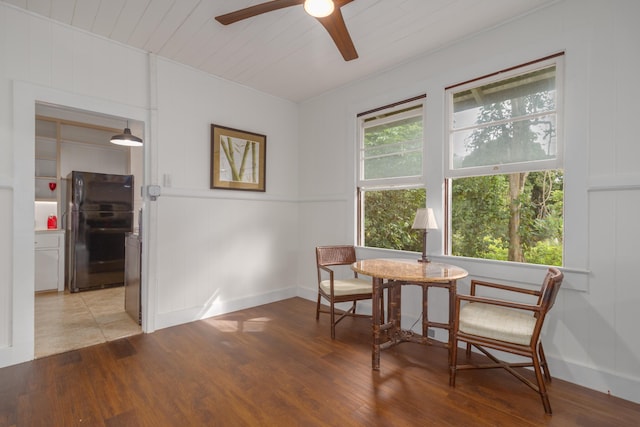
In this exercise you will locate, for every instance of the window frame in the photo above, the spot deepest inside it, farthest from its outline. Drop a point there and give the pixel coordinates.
(557, 163)
(415, 106)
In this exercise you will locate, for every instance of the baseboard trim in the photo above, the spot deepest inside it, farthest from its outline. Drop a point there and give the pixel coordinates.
(606, 382)
(216, 308)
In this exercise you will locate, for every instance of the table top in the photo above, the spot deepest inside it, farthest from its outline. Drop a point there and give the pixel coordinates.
(408, 270)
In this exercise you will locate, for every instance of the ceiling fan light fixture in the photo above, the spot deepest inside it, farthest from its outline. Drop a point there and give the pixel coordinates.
(319, 8)
(126, 139)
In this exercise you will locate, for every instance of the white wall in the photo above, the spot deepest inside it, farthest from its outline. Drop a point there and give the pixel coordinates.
(206, 251)
(221, 250)
(591, 336)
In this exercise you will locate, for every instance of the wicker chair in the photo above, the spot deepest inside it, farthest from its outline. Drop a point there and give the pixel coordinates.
(506, 326)
(339, 290)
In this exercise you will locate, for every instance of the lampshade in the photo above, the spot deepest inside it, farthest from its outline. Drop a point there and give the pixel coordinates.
(425, 220)
(127, 139)
(319, 8)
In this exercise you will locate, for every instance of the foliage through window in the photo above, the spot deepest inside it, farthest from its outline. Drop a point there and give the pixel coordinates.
(504, 168)
(390, 186)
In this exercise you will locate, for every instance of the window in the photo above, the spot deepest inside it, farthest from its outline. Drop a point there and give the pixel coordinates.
(390, 178)
(504, 166)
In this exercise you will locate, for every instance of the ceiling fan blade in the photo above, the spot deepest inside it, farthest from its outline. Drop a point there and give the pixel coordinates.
(257, 9)
(340, 3)
(337, 29)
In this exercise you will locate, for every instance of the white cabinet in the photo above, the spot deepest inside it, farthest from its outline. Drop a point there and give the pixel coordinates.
(49, 260)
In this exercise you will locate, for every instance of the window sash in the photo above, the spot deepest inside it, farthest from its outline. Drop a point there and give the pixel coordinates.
(455, 171)
(404, 147)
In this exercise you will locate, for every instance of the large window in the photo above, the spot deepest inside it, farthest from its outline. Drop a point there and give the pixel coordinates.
(390, 184)
(504, 166)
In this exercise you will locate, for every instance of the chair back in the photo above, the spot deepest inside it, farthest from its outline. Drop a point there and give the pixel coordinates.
(335, 255)
(550, 288)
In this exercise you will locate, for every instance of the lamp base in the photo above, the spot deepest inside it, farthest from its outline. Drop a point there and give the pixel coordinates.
(424, 248)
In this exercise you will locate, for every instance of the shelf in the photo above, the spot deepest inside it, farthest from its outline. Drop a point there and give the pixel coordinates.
(42, 190)
(46, 168)
(46, 148)
(46, 161)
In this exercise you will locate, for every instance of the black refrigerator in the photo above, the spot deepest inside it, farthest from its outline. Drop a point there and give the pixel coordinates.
(98, 216)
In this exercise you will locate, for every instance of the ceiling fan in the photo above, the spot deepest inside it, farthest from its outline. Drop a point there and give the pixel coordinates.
(325, 11)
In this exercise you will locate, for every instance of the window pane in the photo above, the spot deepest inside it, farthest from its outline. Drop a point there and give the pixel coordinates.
(511, 121)
(388, 216)
(528, 93)
(393, 150)
(512, 142)
(488, 222)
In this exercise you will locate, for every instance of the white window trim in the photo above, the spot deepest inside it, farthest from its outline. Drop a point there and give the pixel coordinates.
(576, 278)
(382, 184)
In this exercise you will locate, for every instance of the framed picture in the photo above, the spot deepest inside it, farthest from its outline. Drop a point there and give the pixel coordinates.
(238, 159)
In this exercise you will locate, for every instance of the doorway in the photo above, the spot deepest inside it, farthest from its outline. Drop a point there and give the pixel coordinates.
(76, 139)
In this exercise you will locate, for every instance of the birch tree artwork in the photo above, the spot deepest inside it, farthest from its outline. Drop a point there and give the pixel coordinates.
(240, 161)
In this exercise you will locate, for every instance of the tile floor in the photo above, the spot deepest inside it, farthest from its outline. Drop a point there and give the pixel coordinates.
(65, 321)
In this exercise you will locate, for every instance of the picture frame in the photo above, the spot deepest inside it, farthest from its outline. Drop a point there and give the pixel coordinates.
(238, 159)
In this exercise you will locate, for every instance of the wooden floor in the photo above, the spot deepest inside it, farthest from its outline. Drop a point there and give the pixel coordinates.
(274, 365)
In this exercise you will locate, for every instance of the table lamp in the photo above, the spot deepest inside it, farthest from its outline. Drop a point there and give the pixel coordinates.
(425, 220)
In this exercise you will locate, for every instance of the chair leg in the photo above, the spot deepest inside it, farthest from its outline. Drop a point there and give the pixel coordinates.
(543, 363)
(453, 362)
(542, 389)
(318, 307)
(333, 321)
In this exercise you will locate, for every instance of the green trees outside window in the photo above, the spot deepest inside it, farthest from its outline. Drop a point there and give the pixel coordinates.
(503, 170)
(482, 213)
(388, 216)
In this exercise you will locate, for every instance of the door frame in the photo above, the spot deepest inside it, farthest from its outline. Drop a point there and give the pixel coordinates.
(25, 97)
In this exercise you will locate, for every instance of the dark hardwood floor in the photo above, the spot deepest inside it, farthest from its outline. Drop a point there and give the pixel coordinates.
(274, 365)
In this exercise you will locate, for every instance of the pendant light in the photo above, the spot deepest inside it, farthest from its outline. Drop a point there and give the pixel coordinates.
(126, 138)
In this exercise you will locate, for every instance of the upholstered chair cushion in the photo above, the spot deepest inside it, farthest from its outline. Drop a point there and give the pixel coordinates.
(347, 286)
(500, 323)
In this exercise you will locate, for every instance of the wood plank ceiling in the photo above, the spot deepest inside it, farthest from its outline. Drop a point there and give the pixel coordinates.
(286, 53)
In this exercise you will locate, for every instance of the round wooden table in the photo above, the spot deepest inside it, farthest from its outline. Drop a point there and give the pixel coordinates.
(392, 274)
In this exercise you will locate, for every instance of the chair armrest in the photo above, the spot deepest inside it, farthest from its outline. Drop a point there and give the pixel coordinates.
(503, 303)
(475, 283)
(328, 270)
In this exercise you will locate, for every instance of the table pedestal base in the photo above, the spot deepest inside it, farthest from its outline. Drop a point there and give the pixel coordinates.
(392, 329)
